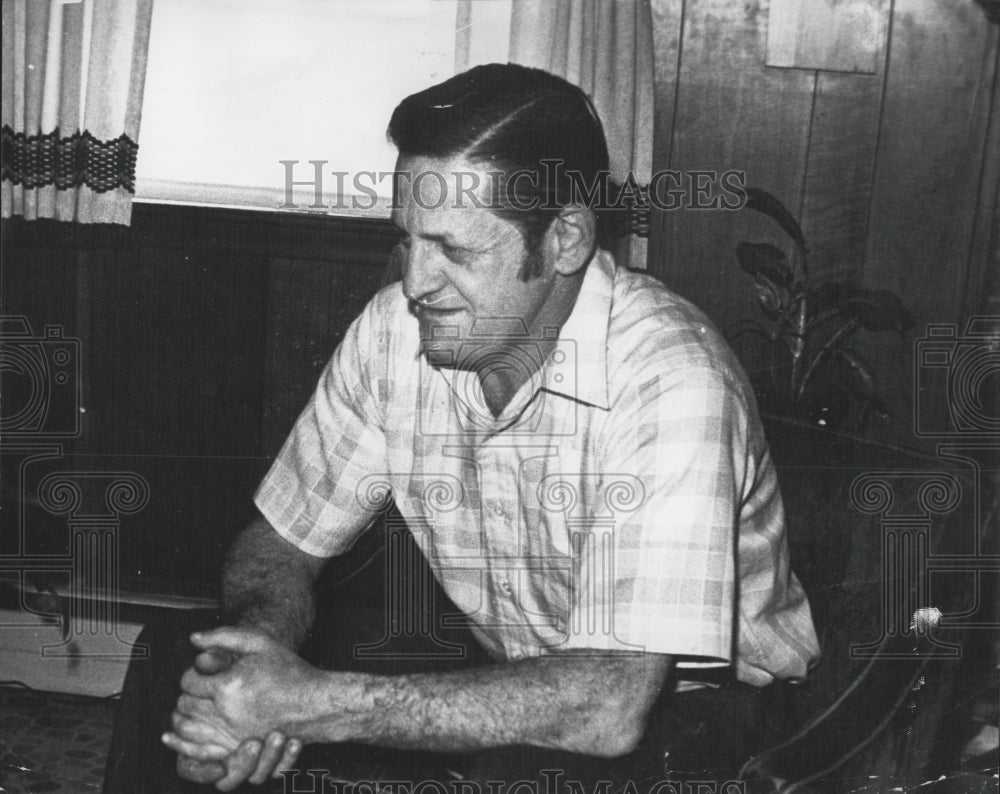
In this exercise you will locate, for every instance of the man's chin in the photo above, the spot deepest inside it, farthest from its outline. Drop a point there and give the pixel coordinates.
(441, 341)
(449, 354)
(439, 356)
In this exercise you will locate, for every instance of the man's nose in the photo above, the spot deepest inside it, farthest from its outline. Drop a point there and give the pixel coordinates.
(422, 276)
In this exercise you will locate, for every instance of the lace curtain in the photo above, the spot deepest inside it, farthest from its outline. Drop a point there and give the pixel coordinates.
(73, 75)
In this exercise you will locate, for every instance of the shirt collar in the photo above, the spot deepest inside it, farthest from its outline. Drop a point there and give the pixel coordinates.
(578, 366)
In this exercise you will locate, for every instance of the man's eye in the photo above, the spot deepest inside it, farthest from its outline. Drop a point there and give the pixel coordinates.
(455, 254)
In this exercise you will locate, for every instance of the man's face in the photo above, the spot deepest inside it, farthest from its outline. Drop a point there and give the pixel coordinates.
(461, 264)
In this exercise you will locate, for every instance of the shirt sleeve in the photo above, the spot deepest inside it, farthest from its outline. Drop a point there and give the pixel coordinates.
(313, 494)
(675, 465)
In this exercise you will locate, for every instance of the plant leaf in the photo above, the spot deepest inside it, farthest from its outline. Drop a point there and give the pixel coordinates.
(765, 259)
(829, 295)
(768, 297)
(764, 202)
(862, 384)
(876, 310)
(862, 387)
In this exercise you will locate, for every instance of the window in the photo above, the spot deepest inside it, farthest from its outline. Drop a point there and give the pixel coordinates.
(233, 87)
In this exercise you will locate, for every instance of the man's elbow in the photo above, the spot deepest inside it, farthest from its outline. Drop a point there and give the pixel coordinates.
(623, 739)
(614, 725)
(612, 732)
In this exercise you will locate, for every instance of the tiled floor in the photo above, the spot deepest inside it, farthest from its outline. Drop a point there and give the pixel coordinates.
(52, 742)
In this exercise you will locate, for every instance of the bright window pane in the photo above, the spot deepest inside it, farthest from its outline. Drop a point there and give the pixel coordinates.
(235, 86)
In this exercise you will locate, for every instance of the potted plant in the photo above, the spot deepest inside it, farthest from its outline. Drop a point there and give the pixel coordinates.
(801, 356)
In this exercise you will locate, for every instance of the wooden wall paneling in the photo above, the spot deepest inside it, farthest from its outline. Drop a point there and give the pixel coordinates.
(931, 147)
(173, 316)
(37, 287)
(668, 23)
(165, 336)
(989, 300)
(983, 275)
(311, 303)
(181, 336)
(85, 259)
(103, 305)
(733, 112)
(177, 367)
(350, 292)
(229, 470)
(817, 34)
(297, 347)
(843, 135)
(47, 277)
(37, 277)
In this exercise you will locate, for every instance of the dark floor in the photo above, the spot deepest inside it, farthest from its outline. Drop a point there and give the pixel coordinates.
(52, 742)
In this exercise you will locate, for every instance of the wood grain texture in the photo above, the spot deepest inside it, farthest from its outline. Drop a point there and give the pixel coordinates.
(894, 175)
(843, 135)
(982, 287)
(833, 35)
(668, 22)
(201, 335)
(203, 331)
(732, 113)
(931, 148)
(931, 145)
(310, 305)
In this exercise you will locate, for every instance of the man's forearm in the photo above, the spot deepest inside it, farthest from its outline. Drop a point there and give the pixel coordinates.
(588, 704)
(268, 584)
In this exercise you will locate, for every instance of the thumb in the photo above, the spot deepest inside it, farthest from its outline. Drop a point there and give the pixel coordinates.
(228, 638)
(200, 771)
(213, 660)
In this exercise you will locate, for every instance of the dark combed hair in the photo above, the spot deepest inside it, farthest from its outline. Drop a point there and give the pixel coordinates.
(509, 118)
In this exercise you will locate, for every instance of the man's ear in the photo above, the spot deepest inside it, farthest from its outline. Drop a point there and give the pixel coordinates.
(571, 239)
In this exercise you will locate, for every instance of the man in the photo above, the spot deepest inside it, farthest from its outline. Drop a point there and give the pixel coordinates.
(577, 455)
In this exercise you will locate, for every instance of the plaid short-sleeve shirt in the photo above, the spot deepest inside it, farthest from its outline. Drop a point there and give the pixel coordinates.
(624, 500)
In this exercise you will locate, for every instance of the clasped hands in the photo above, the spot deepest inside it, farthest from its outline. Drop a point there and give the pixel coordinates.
(238, 702)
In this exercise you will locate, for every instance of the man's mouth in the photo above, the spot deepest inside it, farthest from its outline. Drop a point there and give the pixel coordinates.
(430, 310)
(443, 302)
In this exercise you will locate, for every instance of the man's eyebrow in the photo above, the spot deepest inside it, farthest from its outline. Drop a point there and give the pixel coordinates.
(445, 238)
